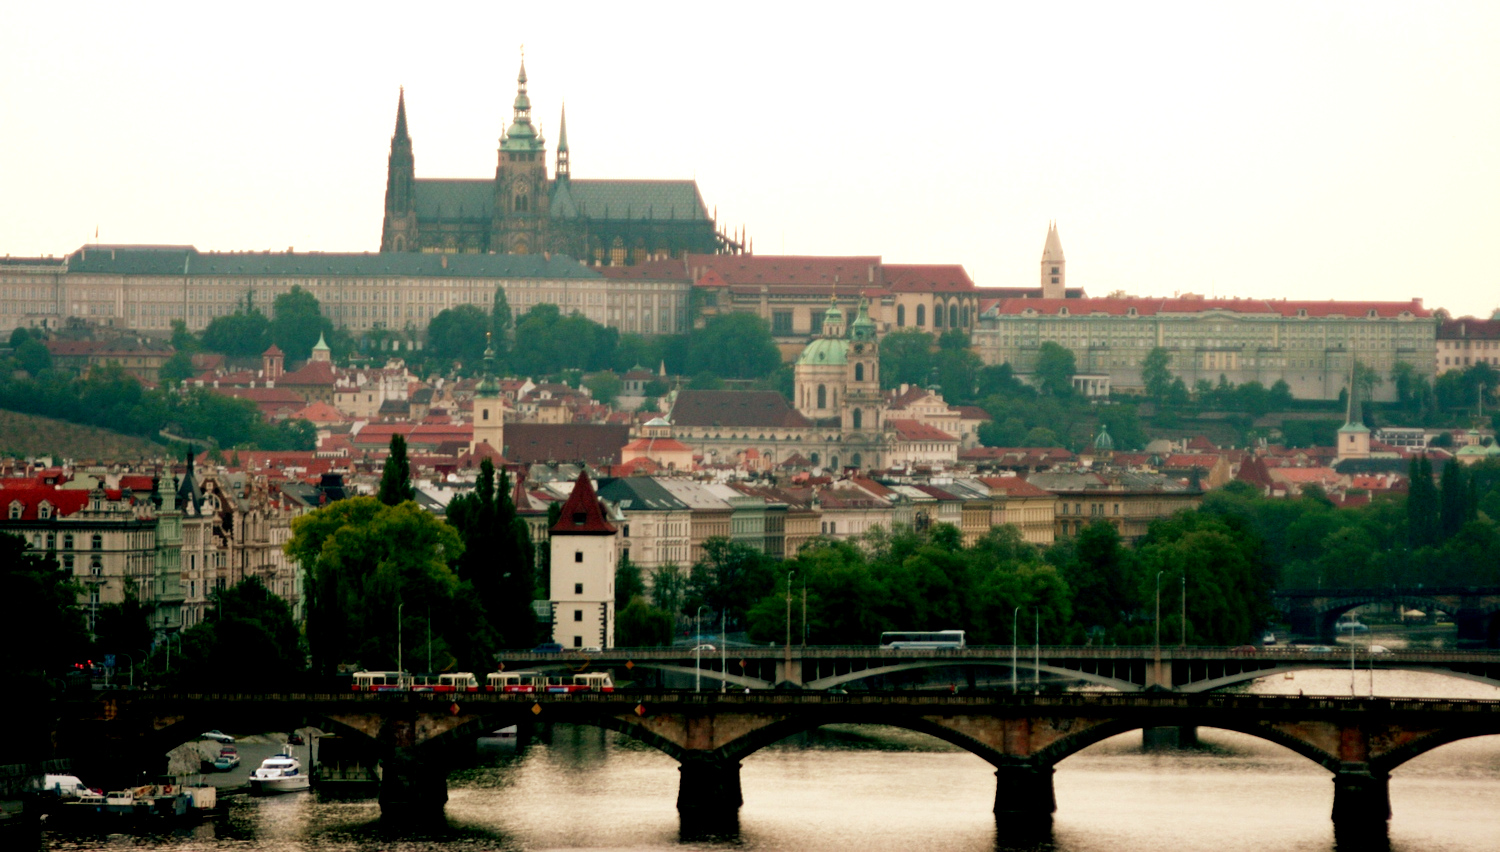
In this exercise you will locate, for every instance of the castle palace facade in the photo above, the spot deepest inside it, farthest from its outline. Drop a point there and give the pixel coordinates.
(524, 211)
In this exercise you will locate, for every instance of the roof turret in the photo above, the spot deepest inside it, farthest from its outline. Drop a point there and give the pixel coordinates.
(863, 327)
(582, 514)
(1052, 252)
(1103, 443)
(488, 387)
(521, 135)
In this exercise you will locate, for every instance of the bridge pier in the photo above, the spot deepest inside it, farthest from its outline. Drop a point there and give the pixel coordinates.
(1472, 625)
(1024, 790)
(1359, 796)
(411, 788)
(709, 789)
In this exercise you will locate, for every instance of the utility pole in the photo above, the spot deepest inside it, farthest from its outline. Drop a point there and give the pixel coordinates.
(1015, 624)
(786, 673)
(400, 666)
(1184, 608)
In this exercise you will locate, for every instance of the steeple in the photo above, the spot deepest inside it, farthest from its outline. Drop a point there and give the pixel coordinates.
(1354, 435)
(489, 410)
(401, 117)
(1054, 266)
(521, 135)
(398, 233)
(563, 170)
(833, 319)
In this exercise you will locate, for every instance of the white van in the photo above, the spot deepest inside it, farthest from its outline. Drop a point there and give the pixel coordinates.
(64, 786)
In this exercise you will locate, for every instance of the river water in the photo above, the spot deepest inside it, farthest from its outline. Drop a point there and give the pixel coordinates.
(865, 789)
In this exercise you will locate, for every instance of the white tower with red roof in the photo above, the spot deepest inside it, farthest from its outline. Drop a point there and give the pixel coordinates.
(585, 551)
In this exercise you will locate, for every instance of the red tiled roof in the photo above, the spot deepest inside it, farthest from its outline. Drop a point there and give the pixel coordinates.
(973, 412)
(1013, 486)
(1186, 460)
(582, 514)
(931, 278)
(1470, 328)
(530, 443)
(64, 501)
(666, 445)
(731, 409)
(1154, 306)
(311, 374)
(853, 273)
(916, 430)
(137, 482)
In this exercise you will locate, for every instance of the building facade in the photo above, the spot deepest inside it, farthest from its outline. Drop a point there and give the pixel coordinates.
(1464, 342)
(1308, 345)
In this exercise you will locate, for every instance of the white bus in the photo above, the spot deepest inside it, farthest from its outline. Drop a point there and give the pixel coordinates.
(924, 640)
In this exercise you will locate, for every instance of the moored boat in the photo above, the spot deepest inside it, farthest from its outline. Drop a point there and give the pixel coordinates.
(280, 773)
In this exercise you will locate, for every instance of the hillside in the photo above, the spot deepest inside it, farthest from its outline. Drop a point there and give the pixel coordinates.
(30, 435)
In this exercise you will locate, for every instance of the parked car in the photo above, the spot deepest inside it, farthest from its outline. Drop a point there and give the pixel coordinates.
(1379, 649)
(1268, 639)
(547, 648)
(217, 736)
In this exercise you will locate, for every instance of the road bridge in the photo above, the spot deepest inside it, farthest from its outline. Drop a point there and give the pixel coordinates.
(416, 736)
(1475, 610)
(1183, 669)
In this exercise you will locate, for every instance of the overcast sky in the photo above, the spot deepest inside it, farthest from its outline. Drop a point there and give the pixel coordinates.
(1297, 150)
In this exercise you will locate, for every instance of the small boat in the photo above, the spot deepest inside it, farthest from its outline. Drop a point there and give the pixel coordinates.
(280, 773)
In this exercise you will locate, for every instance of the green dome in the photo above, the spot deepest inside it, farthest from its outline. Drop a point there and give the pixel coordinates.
(825, 351)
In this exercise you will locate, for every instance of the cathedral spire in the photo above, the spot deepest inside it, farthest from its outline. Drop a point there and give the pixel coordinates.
(521, 135)
(564, 169)
(401, 116)
(1054, 266)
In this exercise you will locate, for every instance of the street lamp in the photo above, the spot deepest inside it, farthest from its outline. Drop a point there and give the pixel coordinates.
(698, 650)
(400, 666)
(1156, 648)
(786, 672)
(132, 667)
(1015, 623)
(1036, 662)
(1184, 608)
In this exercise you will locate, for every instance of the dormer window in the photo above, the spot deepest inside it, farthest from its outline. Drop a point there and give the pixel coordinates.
(1371, 313)
(1130, 312)
(1302, 313)
(580, 518)
(16, 508)
(1062, 312)
(44, 510)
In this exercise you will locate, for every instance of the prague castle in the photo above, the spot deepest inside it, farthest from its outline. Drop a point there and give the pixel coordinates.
(524, 211)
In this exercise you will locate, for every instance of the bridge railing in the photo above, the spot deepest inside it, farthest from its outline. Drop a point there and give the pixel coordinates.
(988, 652)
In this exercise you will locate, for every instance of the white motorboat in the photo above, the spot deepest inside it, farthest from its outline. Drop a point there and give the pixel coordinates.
(280, 773)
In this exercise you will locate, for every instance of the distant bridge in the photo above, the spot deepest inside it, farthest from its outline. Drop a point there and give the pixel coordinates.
(1475, 610)
(1182, 669)
(416, 736)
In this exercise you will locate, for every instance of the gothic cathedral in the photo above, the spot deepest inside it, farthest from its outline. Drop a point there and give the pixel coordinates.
(524, 211)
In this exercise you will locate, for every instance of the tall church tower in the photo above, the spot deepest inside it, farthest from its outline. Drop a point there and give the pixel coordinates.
(1054, 268)
(1354, 435)
(521, 191)
(863, 417)
(585, 548)
(399, 232)
(489, 409)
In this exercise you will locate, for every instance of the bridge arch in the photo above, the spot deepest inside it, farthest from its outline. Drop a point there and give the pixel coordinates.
(1094, 734)
(1423, 744)
(187, 728)
(1021, 665)
(1329, 613)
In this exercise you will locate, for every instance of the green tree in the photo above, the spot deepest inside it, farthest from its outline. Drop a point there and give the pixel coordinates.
(178, 368)
(374, 572)
(735, 345)
(628, 583)
(605, 387)
(248, 635)
(395, 479)
(905, 358)
(182, 339)
(458, 334)
(498, 558)
(246, 333)
(641, 625)
(43, 633)
(1055, 367)
(1423, 505)
(1453, 499)
(669, 588)
(502, 321)
(33, 357)
(730, 576)
(1104, 577)
(298, 324)
(1155, 374)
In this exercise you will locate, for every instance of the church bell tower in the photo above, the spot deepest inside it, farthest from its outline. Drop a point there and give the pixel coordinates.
(399, 232)
(521, 190)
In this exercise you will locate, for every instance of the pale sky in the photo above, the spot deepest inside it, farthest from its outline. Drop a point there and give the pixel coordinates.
(1269, 150)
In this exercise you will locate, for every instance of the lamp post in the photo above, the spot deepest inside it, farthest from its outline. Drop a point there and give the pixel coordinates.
(400, 665)
(698, 649)
(1015, 623)
(1036, 661)
(1156, 648)
(786, 672)
(132, 667)
(1183, 643)
(170, 637)
(723, 650)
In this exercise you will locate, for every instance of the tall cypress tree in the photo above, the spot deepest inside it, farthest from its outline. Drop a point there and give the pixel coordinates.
(395, 479)
(497, 559)
(1422, 511)
(1454, 500)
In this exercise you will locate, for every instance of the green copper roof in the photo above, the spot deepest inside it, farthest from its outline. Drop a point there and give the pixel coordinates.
(825, 350)
(863, 327)
(321, 345)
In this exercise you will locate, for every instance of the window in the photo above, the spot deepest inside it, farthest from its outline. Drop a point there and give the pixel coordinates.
(44, 511)
(51, 541)
(858, 418)
(577, 615)
(578, 587)
(68, 541)
(822, 397)
(577, 641)
(96, 542)
(900, 316)
(15, 510)
(577, 556)
(781, 323)
(921, 314)
(953, 316)
(859, 372)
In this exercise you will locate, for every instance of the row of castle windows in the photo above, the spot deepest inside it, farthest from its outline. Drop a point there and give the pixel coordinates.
(957, 316)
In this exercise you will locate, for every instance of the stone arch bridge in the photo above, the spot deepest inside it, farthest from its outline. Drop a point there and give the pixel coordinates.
(1182, 669)
(1475, 610)
(415, 735)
